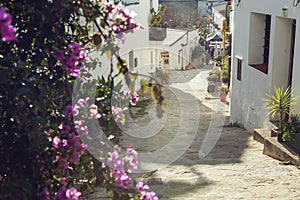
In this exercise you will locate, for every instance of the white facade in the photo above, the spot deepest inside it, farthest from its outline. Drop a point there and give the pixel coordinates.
(144, 56)
(180, 44)
(218, 14)
(252, 76)
(203, 8)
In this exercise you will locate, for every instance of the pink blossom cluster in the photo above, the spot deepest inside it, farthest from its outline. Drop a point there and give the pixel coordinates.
(86, 111)
(69, 147)
(142, 187)
(118, 113)
(69, 141)
(132, 96)
(7, 31)
(127, 163)
(120, 19)
(67, 194)
(120, 165)
(70, 59)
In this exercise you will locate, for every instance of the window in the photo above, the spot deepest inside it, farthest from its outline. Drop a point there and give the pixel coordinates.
(128, 2)
(267, 39)
(135, 62)
(165, 56)
(239, 69)
(259, 41)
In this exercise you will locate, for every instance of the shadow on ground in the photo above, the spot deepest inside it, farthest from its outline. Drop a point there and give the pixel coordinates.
(182, 177)
(185, 178)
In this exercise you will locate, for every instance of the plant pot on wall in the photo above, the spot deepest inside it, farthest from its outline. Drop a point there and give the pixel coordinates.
(211, 87)
(157, 33)
(223, 97)
(223, 93)
(274, 132)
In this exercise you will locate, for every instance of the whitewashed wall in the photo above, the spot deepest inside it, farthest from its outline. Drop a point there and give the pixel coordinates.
(137, 41)
(246, 105)
(217, 18)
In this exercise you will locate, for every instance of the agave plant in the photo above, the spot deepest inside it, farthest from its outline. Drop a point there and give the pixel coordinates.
(280, 103)
(157, 16)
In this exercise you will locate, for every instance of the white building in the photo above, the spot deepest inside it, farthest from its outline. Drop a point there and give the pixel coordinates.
(218, 15)
(266, 42)
(204, 8)
(143, 54)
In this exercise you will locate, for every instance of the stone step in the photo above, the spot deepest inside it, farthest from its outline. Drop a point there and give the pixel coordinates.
(275, 149)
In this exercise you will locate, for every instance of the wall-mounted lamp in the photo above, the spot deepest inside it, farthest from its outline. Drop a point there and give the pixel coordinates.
(296, 2)
(239, 1)
(285, 12)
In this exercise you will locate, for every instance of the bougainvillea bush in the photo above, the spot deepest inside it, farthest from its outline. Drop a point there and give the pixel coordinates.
(44, 48)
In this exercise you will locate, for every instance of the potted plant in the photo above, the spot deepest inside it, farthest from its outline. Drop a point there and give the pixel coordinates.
(291, 127)
(156, 31)
(224, 74)
(279, 105)
(291, 133)
(157, 16)
(211, 86)
(223, 93)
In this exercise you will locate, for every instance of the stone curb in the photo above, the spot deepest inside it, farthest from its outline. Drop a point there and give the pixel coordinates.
(275, 149)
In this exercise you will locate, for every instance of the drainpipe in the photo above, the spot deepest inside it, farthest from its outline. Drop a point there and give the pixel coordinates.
(184, 45)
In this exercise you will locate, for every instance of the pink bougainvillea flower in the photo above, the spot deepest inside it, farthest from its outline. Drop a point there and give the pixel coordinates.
(56, 142)
(82, 129)
(132, 96)
(134, 99)
(148, 196)
(72, 194)
(61, 194)
(121, 178)
(94, 111)
(140, 186)
(121, 37)
(118, 113)
(131, 160)
(7, 31)
(70, 59)
(64, 128)
(63, 163)
(74, 48)
(68, 111)
(83, 102)
(44, 194)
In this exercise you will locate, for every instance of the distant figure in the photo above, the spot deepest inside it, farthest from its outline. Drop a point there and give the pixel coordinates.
(207, 57)
(212, 51)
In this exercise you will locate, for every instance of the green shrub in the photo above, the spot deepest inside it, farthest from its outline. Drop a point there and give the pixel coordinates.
(291, 127)
(224, 74)
(212, 78)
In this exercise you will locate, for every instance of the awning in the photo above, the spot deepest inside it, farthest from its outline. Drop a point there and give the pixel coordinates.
(214, 37)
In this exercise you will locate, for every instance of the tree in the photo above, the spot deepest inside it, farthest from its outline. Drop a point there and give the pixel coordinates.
(43, 50)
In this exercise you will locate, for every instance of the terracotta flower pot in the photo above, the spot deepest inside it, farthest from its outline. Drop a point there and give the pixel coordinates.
(274, 132)
(223, 97)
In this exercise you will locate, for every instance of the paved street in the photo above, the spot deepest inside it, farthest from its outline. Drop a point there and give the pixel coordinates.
(193, 153)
